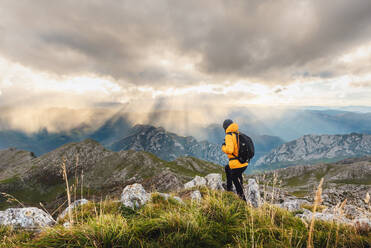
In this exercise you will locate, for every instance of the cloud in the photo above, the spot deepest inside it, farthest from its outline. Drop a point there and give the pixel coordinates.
(269, 41)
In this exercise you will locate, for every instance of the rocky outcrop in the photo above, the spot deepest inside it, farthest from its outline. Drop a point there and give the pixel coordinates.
(293, 205)
(253, 193)
(312, 148)
(71, 207)
(196, 196)
(347, 179)
(26, 218)
(212, 181)
(168, 146)
(134, 196)
(197, 181)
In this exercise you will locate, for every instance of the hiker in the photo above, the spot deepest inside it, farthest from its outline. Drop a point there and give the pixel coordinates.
(231, 147)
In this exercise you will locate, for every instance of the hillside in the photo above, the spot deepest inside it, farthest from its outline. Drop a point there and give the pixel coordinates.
(311, 149)
(347, 179)
(103, 171)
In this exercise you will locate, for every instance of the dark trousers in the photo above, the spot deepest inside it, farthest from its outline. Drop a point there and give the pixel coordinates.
(235, 176)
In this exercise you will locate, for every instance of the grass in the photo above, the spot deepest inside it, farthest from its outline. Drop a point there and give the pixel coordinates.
(221, 219)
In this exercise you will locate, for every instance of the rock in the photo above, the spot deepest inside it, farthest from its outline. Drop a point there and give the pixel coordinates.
(293, 204)
(134, 196)
(72, 206)
(253, 193)
(197, 181)
(196, 196)
(312, 147)
(214, 181)
(362, 224)
(307, 216)
(167, 196)
(27, 218)
(67, 225)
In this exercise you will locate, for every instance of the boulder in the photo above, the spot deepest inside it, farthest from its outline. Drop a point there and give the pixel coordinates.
(307, 216)
(26, 218)
(253, 193)
(134, 196)
(196, 196)
(197, 181)
(72, 206)
(214, 181)
(293, 204)
(362, 224)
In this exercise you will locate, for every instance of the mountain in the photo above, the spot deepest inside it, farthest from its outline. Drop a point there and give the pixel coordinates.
(93, 168)
(347, 179)
(169, 146)
(310, 149)
(268, 127)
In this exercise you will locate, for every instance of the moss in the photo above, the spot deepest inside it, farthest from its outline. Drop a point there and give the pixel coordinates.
(319, 208)
(300, 193)
(10, 180)
(298, 181)
(362, 181)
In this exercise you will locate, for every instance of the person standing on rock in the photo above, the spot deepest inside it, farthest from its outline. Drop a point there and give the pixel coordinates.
(234, 168)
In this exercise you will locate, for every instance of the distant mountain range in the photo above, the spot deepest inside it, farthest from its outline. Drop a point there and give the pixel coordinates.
(311, 149)
(119, 133)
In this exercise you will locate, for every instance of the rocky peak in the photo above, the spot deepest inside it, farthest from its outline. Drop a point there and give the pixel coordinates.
(310, 149)
(167, 145)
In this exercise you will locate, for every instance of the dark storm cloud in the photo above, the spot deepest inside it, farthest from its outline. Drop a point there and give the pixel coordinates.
(272, 41)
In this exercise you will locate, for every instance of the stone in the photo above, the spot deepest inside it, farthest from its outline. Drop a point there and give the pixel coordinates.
(214, 181)
(196, 196)
(293, 204)
(134, 196)
(72, 206)
(363, 224)
(307, 216)
(253, 193)
(67, 225)
(197, 181)
(26, 218)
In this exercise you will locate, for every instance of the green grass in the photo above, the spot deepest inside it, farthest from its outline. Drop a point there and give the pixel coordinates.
(220, 220)
(300, 193)
(298, 181)
(362, 181)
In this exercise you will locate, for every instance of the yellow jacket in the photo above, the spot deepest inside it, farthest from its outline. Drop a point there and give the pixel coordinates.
(231, 147)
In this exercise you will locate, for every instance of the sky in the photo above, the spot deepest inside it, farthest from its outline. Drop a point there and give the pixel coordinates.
(71, 59)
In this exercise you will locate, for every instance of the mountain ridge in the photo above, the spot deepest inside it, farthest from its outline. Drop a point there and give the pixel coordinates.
(310, 149)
